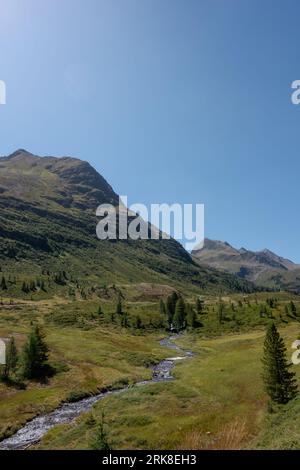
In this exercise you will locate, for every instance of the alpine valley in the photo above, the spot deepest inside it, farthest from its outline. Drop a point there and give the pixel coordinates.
(122, 344)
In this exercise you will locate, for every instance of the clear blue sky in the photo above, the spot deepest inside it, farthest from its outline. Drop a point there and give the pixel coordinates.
(171, 100)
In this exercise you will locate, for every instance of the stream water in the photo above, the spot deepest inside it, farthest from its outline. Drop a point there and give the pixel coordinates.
(35, 429)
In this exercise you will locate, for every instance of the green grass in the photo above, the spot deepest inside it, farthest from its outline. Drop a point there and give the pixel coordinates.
(219, 388)
(89, 361)
(217, 393)
(281, 429)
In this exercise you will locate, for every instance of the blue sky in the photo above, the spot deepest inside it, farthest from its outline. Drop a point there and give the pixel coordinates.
(171, 100)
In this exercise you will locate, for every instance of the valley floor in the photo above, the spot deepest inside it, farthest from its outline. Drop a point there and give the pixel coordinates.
(216, 402)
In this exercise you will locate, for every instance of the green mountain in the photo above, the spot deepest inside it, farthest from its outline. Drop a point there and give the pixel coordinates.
(48, 224)
(263, 267)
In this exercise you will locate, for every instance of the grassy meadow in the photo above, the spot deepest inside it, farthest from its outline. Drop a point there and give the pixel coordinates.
(87, 359)
(216, 400)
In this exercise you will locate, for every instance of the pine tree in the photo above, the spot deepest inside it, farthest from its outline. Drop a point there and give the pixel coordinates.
(170, 313)
(179, 316)
(170, 307)
(174, 298)
(119, 308)
(100, 440)
(221, 311)
(25, 288)
(280, 383)
(35, 355)
(3, 283)
(100, 310)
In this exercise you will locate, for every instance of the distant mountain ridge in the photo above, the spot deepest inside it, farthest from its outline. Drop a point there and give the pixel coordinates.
(263, 267)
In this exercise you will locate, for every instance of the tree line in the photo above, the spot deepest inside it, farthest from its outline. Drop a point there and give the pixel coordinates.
(175, 314)
(179, 314)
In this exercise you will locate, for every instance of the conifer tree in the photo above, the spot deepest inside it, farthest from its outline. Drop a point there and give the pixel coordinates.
(25, 288)
(32, 286)
(174, 298)
(119, 309)
(170, 307)
(179, 316)
(280, 383)
(220, 312)
(169, 312)
(100, 440)
(3, 283)
(35, 355)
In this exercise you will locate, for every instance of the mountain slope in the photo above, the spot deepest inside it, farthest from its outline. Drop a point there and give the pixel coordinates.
(263, 267)
(47, 222)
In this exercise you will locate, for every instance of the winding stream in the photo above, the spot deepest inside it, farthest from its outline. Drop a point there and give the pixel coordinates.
(35, 429)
